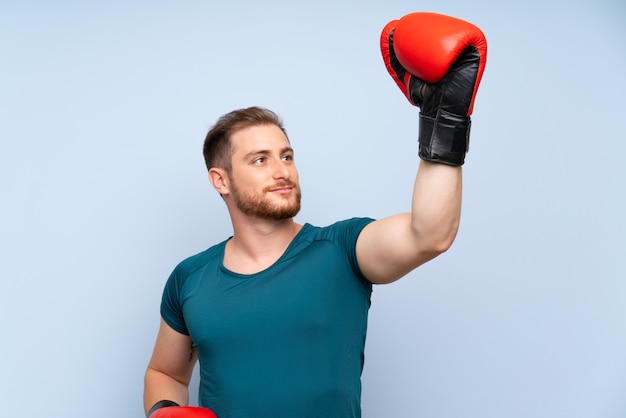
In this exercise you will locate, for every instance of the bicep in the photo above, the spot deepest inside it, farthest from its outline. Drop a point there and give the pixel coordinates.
(174, 354)
(387, 249)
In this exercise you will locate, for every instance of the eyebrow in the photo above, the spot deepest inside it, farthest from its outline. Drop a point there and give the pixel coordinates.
(266, 152)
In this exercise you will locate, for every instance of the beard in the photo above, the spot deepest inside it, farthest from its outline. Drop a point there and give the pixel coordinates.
(260, 206)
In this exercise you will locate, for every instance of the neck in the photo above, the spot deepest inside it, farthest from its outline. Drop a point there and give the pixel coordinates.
(258, 243)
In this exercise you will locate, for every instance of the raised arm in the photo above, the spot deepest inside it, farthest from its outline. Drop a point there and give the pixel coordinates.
(437, 61)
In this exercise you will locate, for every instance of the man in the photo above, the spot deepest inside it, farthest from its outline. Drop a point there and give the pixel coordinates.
(277, 314)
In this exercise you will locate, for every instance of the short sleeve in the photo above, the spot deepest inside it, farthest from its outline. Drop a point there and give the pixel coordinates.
(171, 305)
(346, 234)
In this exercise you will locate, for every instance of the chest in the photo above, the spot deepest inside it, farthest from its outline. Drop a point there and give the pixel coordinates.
(309, 295)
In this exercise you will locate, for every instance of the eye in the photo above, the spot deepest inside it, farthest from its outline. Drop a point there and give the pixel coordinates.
(288, 157)
(258, 161)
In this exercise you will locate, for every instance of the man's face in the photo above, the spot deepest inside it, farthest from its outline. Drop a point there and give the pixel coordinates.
(264, 178)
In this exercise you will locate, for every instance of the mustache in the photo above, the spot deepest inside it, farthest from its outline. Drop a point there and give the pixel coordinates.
(282, 183)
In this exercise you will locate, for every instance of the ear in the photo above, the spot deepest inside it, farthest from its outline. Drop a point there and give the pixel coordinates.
(219, 180)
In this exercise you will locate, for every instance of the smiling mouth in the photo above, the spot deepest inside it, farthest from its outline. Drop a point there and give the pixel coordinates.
(281, 188)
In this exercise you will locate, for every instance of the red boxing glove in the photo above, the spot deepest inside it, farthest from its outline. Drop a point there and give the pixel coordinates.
(182, 412)
(438, 62)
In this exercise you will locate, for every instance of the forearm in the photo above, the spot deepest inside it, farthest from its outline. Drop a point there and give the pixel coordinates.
(436, 206)
(159, 386)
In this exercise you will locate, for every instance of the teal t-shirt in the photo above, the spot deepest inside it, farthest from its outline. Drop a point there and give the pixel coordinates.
(285, 342)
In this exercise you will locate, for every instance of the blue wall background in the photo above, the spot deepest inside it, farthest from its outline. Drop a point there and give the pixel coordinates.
(103, 109)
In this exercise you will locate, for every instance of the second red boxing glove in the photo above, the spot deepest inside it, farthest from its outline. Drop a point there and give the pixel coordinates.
(438, 62)
(182, 412)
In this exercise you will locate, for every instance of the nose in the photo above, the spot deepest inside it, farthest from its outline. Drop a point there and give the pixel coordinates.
(281, 170)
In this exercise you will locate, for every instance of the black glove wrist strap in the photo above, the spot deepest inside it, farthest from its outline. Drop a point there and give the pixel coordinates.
(161, 404)
(444, 138)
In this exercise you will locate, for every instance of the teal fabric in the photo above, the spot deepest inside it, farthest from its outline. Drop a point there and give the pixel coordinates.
(285, 342)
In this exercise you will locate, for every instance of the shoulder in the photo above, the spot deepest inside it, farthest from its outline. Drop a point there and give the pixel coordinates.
(341, 234)
(344, 228)
(211, 256)
(338, 240)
